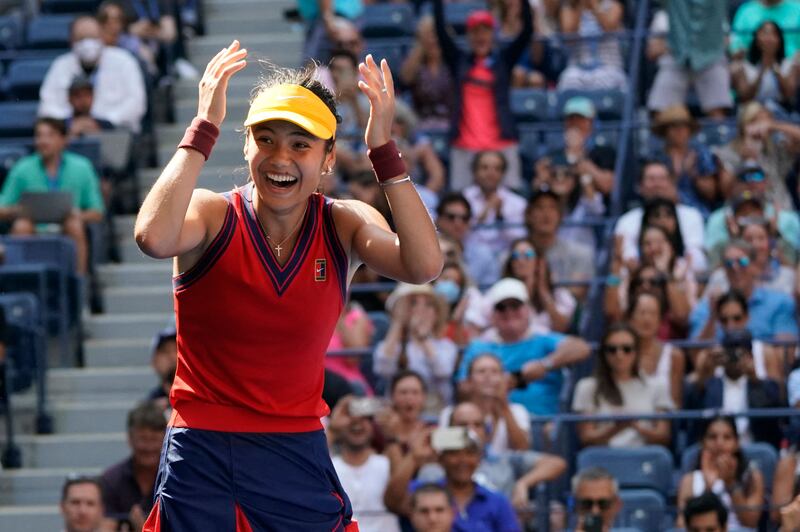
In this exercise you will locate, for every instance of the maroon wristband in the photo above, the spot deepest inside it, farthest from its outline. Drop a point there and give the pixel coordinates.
(201, 135)
(387, 161)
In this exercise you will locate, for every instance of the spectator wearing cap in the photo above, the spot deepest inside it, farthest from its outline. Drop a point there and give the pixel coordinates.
(415, 339)
(82, 505)
(477, 507)
(772, 144)
(694, 55)
(566, 260)
(534, 360)
(52, 168)
(497, 212)
(752, 14)
(453, 215)
(735, 387)
(119, 90)
(363, 473)
(128, 485)
(81, 97)
(656, 181)
(482, 118)
(595, 61)
(593, 164)
(772, 314)
(708, 185)
(751, 200)
(596, 493)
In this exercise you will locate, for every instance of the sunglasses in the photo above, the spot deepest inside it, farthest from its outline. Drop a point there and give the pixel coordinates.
(453, 217)
(651, 281)
(588, 504)
(743, 262)
(753, 177)
(508, 305)
(527, 254)
(612, 349)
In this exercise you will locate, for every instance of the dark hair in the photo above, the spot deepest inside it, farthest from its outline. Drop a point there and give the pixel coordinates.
(485, 354)
(741, 461)
(667, 237)
(56, 123)
(651, 207)
(754, 53)
(651, 162)
(428, 489)
(453, 197)
(606, 386)
(634, 301)
(305, 77)
(402, 374)
(76, 20)
(476, 160)
(702, 504)
(346, 54)
(660, 286)
(102, 17)
(537, 305)
(147, 415)
(75, 480)
(733, 296)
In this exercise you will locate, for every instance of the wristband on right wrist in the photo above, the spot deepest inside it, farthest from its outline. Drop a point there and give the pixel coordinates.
(201, 135)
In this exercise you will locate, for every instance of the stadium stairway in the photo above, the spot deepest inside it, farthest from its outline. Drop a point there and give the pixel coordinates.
(89, 404)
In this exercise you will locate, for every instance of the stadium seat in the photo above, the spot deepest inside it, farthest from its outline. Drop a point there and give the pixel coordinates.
(49, 31)
(17, 119)
(9, 155)
(440, 142)
(24, 78)
(716, 134)
(760, 454)
(69, 6)
(380, 323)
(606, 138)
(387, 20)
(530, 105)
(24, 339)
(456, 14)
(530, 145)
(648, 467)
(609, 103)
(89, 147)
(393, 50)
(641, 509)
(10, 32)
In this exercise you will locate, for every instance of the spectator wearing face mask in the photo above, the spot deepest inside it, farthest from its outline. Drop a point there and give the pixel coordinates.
(119, 91)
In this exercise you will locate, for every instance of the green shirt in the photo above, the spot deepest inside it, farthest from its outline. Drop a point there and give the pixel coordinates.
(786, 15)
(697, 31)
(75, 175)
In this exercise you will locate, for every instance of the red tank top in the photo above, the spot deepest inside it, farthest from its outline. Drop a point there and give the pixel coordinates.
(252, 335)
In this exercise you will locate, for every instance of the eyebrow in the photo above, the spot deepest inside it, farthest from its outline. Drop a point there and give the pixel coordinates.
(298, 131)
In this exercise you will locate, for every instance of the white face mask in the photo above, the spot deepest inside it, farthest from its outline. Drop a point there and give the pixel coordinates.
(88, 50)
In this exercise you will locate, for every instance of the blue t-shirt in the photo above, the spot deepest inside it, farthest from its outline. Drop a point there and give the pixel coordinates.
(488, 511)
(540, 397)
(771, 313)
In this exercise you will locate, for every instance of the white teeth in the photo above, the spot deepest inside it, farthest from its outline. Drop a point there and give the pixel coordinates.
(281, 177)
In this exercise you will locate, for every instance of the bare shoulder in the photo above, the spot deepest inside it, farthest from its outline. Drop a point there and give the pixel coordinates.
(351, 215)
(203, 222)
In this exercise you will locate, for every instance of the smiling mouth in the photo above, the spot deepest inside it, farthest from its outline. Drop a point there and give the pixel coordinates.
(281, 180)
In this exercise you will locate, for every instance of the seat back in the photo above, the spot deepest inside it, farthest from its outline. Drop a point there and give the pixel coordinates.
(387, 20)
(10, 32)
(17, 119)
(648, 467)
(9, 155)
(69, 6)
(49, 31)
(609, 103)
(25, 77)
(641, 509)
(530, 105)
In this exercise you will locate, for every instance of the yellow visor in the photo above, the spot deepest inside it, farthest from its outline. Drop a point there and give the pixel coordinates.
(294, 104)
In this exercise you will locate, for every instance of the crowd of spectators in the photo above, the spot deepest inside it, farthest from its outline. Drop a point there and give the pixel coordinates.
(696, 282)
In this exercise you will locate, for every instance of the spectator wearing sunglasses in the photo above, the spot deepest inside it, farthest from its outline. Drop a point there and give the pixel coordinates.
(619, 387)
(453, 215)
(596, 494)
(772, 313)
(533, 360)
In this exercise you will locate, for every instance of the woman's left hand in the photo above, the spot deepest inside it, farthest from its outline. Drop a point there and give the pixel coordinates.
(379, 88)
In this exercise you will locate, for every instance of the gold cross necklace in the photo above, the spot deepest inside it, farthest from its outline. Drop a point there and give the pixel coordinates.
(278, 247)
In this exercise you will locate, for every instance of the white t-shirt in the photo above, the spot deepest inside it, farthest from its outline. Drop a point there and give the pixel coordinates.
(364, 486)
(639, 396)
(499, 433)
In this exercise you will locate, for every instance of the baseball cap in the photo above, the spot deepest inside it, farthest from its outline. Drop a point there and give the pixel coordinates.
(80, 82)
(480, 17)
(167, 333)
(579, 105)
(295, 104)
(507, 288)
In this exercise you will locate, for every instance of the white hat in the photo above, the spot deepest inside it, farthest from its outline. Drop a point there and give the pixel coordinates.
(507, 288)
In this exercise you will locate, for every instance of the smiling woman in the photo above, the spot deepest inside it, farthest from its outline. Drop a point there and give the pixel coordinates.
(261, 275)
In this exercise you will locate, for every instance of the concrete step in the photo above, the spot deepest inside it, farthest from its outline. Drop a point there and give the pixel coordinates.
(125, 326)
(95, 416)
(98, 384)
(139, 299)
(270, 10)
(239, 19)
(30, 518)
(20, 487)
(235, 114)
(117, 352)
(281, 48)
(143, 274)
(96, 450)
(239, 85)
(217, 178)
(130, 252)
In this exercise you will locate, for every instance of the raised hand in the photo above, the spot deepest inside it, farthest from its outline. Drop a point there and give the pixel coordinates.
(378, 85)
(214, 83)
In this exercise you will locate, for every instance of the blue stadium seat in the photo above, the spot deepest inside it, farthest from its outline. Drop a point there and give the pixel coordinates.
(89, 147)
(762, 455)
(641, 509)
(387, 20)
(606, 138)
(393, 50)
(608, 102)
(9, 155)
(380, 323)
(17, 118)
(23, 318)
(530, 144)
(10, 32)
(716, 134)
(49, 31)
(456, 14)
(440, 142)
(69, 6)
(648, 467)
(25, 77)
(530, 105)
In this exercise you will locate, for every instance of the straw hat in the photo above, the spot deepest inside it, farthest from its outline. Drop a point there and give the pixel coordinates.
(405, 289)
(671, 116)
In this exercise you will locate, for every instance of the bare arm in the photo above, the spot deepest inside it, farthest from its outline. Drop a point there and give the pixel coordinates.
(548, 467)
(747, 505)
(783, 485)
(569, 19)
(684, 494)
(518, 439)
(656, 434)
(411, 66)
(610, 18)
(677, 371)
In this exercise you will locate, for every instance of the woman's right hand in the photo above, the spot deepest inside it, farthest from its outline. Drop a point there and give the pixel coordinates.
(214, 83)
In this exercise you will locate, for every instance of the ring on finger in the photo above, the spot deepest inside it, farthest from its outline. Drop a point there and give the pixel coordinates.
(384, 89)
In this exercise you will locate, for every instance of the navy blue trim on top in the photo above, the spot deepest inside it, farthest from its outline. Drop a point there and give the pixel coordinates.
(281, 276)
(211, 255)
(334, 245)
